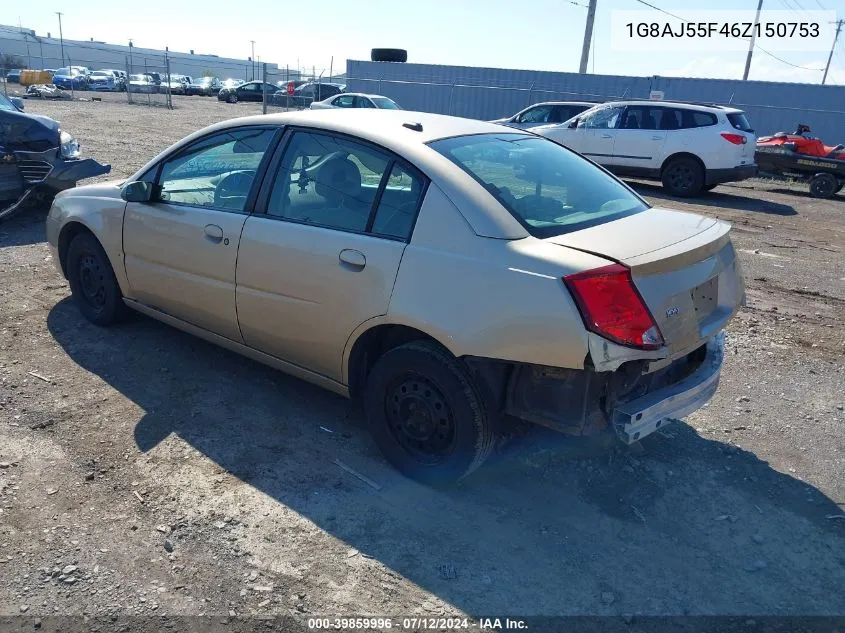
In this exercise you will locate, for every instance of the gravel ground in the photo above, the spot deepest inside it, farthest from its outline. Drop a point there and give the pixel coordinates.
(143, 471)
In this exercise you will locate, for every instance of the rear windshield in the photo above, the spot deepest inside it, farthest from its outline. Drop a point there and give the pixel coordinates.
(549, 189)
(739, 121)
(385, 103)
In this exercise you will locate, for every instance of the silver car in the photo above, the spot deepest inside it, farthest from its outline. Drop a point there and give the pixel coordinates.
(451, 274)
(545, 113)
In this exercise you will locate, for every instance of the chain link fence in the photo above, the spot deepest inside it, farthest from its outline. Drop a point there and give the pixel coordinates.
(288, 89)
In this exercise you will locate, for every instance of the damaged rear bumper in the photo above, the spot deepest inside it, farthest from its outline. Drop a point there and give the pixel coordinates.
(633, 401)
(635, 419)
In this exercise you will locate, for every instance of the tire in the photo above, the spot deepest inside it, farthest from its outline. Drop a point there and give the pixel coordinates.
(232, 98)
(839, 187)
(92, 282)
(422, 376)
(389, 55)
(683, 177)
(823, 185)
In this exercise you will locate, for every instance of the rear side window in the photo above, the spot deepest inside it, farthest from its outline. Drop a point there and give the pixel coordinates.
(696, 118)
(739, 121)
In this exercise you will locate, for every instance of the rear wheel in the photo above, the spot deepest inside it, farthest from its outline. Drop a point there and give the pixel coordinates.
(426, 414)
(683, 176)
(823, 185)
(92, 282)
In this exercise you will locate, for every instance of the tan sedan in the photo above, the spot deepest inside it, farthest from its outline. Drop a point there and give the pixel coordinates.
(452, 274)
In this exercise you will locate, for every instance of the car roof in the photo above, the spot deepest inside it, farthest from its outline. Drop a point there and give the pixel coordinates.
(385, 127)
(690, 105)
(359, 94)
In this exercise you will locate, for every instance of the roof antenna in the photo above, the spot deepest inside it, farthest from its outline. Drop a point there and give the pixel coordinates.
(416, 127)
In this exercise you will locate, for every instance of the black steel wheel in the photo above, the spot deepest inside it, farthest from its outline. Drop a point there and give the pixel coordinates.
(684, 177)
(92, 282)
(426, 414)
(823, 185)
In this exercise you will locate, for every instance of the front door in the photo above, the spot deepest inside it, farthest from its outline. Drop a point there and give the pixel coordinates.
(641, 136)
(180, 249)
(323, 258)
(599, 134)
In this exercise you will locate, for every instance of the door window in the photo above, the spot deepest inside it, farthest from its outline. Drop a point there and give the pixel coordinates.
(363, 102)
(399, 203)
(540, 114)
(335, 182)
(344, 101)
(601, 119)
(216, 172)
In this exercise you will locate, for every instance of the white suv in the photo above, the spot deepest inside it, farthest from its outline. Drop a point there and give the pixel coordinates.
(691, 148)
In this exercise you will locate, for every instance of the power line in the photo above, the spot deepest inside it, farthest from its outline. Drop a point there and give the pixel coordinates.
(662, 11)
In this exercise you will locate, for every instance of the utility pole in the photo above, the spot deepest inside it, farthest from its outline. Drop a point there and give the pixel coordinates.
(588, 36)
(61, 37)
(753, 38)
(832, 48)
(252, 59)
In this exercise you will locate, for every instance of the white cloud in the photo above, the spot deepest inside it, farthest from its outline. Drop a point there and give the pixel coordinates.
(763, 68)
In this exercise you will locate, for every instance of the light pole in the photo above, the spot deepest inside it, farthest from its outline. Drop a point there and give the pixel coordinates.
(252, 59)
(61, 37)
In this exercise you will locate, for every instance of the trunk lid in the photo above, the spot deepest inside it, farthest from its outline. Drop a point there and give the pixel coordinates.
(683, 265)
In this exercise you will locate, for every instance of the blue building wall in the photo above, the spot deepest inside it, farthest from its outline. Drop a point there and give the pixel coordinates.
(489, 93)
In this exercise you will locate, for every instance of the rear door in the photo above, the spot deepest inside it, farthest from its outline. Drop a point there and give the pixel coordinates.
(323, 256)
(181, 248)
(640, 138)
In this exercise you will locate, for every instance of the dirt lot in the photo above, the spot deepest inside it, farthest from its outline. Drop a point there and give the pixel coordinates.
(143, 471)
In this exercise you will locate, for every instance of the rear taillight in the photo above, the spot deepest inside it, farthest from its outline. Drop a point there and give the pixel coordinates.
(736, 139)
(611, 306)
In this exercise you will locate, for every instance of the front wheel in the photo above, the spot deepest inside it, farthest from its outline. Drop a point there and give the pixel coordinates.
(92, 282)
(683, 177)
(426, 414)
(233, 98)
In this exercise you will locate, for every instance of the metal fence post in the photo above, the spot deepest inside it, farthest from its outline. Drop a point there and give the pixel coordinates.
(451, 93)
(530, 98)
(70, 69)
(167, 70)
(264, 88)
(128, 75)
(149, 94)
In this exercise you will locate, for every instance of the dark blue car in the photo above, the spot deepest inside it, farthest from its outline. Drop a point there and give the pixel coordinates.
(75, 77)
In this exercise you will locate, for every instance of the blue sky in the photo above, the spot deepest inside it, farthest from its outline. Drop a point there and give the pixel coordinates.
(533, 34)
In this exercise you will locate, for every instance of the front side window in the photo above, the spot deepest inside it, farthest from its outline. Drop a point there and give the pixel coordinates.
(345, 101)
(363, 102)
(604, 118)
(216, 172)
(549, 189)
(335, 182)
(540, 114)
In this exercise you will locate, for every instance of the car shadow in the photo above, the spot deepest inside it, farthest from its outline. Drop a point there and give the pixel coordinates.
(691, 526)
(718, 198)
(25, 227)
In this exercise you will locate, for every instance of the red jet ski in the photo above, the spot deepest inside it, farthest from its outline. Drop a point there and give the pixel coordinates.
(804, 157)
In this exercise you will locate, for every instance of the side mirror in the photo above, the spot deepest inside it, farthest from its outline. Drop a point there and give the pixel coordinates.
(17, 102)
(137, 191)
(575, 122)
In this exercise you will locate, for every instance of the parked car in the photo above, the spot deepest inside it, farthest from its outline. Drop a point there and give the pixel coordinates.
(39, 158)
(71, 77)
(205, 86)
(13, 76)
(490, 275)
(690, 147)
(178, 84)
(304, 95)
(356, 100)
(107, 80)
(249, 91)
(141, 83)
(544, 113)
(232, 83)
(157, 78)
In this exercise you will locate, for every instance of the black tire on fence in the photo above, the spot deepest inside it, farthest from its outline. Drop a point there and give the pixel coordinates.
(389, 55)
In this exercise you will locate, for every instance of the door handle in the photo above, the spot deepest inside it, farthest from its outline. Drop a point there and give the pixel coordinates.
(605, 136)
(353, 258)
(656, 138)
(214, 232)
